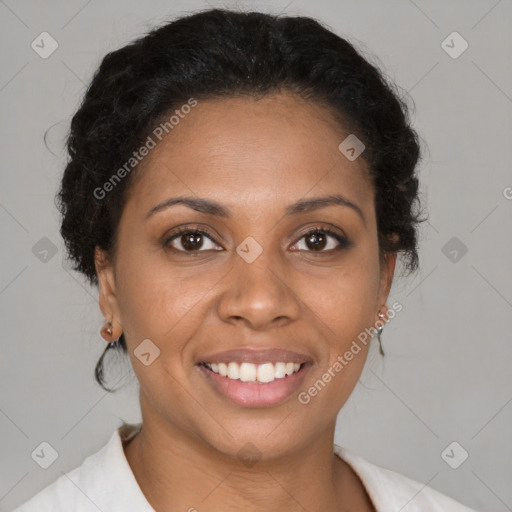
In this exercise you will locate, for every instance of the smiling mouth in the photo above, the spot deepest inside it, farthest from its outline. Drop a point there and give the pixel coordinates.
(262, 384)
(254, 373)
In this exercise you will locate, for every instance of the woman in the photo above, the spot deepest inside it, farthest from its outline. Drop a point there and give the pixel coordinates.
(239, 187)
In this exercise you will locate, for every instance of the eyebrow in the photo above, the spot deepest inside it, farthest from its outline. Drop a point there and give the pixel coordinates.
(209, 207)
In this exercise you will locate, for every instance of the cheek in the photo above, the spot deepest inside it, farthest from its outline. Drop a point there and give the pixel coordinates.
(341, 311)
(344, 300)
(153, 300)
(341, 314)
(158, 305)
(162, 301)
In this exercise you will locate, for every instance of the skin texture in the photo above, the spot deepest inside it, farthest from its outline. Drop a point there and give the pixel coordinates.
(255, 157)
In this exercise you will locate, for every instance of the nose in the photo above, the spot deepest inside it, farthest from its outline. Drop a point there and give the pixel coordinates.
(258, 294)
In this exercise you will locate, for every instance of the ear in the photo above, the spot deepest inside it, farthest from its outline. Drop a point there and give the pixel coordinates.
(107, 290)
(386, 278)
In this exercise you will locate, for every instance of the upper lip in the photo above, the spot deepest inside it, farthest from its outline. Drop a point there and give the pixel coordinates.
(257, 356)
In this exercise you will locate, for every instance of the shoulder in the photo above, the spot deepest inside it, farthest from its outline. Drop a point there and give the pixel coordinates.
(391, 491)
(68, 491)
(104, 481)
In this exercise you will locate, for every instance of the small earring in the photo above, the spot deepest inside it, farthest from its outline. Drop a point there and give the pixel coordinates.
(107, 331)
(379, 332)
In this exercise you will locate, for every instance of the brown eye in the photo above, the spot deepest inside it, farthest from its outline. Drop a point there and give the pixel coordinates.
(191, 241)
(317, 240)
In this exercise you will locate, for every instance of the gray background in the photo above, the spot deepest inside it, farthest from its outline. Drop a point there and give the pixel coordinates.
(446, 373)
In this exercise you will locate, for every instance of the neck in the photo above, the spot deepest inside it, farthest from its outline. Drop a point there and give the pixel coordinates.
(178, 470)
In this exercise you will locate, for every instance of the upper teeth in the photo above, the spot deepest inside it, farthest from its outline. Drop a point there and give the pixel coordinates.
(249, 372)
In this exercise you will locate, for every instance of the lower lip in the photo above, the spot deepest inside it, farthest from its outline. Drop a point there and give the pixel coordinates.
(253, 394)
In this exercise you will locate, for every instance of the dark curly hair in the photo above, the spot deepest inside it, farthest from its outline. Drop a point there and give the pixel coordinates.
(219, 53)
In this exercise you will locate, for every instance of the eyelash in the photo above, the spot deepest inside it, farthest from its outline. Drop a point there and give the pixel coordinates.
(343, 242)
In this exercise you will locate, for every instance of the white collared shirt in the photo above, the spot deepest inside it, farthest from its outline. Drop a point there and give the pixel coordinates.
(105, 482)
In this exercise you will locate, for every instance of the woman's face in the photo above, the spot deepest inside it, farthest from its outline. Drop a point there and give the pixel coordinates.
(253, 281)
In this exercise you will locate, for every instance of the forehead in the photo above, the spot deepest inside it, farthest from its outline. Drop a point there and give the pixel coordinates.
(270, 150)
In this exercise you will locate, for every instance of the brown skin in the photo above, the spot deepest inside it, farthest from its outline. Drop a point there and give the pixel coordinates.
(256, 158)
